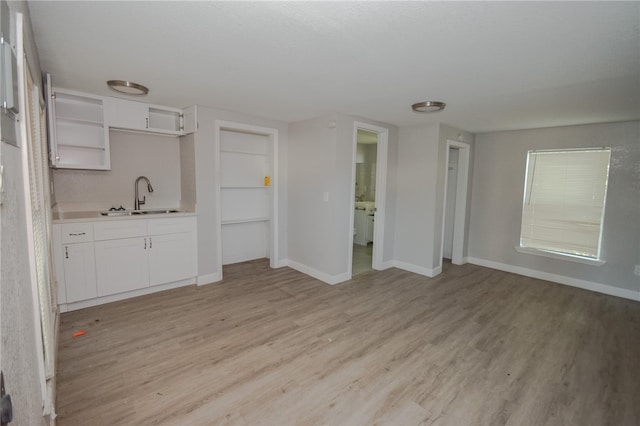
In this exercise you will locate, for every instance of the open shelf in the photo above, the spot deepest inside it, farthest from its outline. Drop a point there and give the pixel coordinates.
(79, 121)
(244, 187)
(247, 220)
(235, 151)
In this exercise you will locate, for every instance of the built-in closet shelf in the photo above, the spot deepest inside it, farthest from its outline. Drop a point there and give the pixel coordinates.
(234, 151)
(244, 187)
(79, 121)
(74, 145)
(248, 220)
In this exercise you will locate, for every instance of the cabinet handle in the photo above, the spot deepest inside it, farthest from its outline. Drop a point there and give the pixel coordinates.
(77, 234)
(66, 252)
(147, 122)
(145, 243)
(150, 243)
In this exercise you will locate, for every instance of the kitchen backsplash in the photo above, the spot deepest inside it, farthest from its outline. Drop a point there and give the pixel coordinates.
(132, 155)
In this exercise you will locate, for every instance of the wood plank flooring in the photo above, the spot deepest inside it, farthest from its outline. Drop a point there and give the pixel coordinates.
(473, 346)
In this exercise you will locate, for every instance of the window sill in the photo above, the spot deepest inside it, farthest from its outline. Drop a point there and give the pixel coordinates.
(560, 256)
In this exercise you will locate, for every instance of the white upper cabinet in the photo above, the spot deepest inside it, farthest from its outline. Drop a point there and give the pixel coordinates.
(78, 135)
(127, 114)
(138, 116)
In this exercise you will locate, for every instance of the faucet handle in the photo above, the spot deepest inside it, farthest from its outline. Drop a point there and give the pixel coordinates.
(143, 201)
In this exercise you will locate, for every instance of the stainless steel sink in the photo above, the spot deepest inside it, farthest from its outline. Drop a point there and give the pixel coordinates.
(165, 211)
(137, 212)
(116, 213)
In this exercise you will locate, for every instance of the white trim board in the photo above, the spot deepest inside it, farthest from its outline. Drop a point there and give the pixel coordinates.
(329, 279)
(560, 279)
(420, 270)
(74, 306)
(209, 278)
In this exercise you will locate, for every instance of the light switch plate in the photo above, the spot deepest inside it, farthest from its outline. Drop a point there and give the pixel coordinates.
(637, 270)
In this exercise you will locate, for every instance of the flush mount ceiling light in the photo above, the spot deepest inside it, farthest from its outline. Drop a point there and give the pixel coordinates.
(428, 106)
(127, 87)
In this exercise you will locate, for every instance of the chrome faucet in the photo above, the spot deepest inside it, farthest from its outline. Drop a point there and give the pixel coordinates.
(138, 201)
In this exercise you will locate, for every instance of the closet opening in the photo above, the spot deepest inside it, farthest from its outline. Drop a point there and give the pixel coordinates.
(454, 214)
(247, 193)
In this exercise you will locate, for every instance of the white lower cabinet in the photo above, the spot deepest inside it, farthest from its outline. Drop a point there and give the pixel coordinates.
(79, 272)
(121, 265)
(360, 224)
(170, 258)
(121, 256)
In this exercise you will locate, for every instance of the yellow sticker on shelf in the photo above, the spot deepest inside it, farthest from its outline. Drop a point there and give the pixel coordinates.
(267, 181)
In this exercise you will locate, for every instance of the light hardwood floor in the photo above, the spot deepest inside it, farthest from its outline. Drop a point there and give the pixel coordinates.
(275, 347)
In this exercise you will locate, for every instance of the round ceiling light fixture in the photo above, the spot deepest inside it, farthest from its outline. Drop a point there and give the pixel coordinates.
(428, 106)
(127, 87)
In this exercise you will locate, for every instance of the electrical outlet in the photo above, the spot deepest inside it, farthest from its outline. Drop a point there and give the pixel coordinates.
(637, 270)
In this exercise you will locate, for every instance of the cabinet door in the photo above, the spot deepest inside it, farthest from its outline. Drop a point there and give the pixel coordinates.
(51, 123)
(171, 258)
(79, 272)
(189, 120)
(125, 114)
(78, 137)
(122, 265)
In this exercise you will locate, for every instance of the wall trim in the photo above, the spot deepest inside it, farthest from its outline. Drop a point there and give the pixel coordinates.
(280, 263)
(208, 278)
(74, 306)
(420, 270)
(560, 279)
(329, 279)
(386, 265)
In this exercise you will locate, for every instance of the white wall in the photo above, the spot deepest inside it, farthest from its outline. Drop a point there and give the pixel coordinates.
(312, 164)
(320, 160)
(498, 182)
(416, 195)
(420, 194)
(132, 155)
(17, 320)
(206, 179)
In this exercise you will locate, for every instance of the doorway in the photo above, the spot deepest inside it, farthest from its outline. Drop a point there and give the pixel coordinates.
(247, 193)
(454, 215)
(368, 195)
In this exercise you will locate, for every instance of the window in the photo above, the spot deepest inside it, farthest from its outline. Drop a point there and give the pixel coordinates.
(564, 198)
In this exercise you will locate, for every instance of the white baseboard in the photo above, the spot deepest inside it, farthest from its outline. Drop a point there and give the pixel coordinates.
(74, 306)
(280, 263)
(560, 279)
(420, 270)
(209, 278)
(329, 279)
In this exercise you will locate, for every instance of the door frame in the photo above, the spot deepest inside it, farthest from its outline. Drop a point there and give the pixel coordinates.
(460, 209)
(381, 192)
(272, 133)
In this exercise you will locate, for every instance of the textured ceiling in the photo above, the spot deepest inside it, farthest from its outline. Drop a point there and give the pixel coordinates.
(498, 66)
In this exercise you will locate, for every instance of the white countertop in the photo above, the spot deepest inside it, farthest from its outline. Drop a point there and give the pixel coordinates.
(93, 216)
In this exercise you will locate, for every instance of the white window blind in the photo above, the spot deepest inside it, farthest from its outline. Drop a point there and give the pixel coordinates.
(564, 199)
